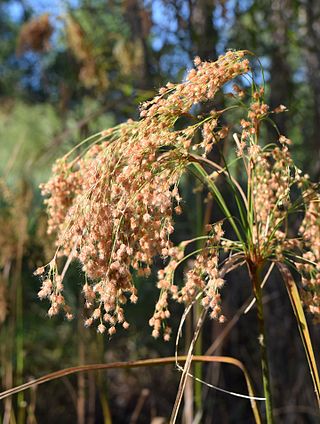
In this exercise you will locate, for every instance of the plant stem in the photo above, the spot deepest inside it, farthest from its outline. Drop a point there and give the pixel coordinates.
(22, 203)
(198, 367)
(256, 281)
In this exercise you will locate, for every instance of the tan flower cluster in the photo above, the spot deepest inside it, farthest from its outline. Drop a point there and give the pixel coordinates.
(272, 180)
(203, 278)
(62, 188)
(116, 216)
(272, 175)
(310, 231)
(201, 85)
(112, 206)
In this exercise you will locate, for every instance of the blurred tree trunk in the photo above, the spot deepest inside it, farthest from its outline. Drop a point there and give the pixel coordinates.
(312, 55)
(204, 35)
(281, 86)
(140, 24)
(91, 398)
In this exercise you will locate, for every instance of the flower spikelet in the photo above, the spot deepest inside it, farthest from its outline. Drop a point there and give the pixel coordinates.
(112, 206)
(310, 231)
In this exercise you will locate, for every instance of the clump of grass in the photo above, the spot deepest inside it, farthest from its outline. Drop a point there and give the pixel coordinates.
(112, 202)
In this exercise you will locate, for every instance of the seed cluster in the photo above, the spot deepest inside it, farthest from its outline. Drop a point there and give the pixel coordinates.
(273, 176)
(112, 207)
(116, 216)
(202, 278)
(310, 231)
(272, 180)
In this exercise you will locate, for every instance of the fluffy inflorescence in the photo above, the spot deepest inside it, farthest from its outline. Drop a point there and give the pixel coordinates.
(273, 177)
(117, 216)
(112, 207)
(203, 278)
(310, 232)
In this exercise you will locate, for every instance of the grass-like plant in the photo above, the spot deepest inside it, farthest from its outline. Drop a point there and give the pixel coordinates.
(111, 202)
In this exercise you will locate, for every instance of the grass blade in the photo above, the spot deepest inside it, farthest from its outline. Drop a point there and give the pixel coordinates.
(204, 177)
(302, 325)
(135, 364)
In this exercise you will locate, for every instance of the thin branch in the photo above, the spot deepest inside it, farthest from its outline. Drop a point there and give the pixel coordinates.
(115, 365)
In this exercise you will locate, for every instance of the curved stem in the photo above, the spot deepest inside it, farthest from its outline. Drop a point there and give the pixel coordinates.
(256, 282)
(223, 170)
(146, 363)
(297, 307)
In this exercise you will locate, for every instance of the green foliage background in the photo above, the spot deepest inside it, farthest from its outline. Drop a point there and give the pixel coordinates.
(102, 59)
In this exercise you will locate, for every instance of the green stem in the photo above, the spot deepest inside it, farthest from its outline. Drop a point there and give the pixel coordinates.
(198, 366)
(256, 281)
(20, 354)
(19, 329)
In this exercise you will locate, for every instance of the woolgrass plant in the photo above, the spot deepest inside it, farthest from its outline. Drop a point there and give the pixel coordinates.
(112, 201)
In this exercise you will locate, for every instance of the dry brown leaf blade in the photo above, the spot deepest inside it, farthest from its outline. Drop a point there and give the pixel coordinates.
(302, 325)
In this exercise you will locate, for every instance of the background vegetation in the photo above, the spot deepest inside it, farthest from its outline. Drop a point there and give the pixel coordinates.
(70, 68)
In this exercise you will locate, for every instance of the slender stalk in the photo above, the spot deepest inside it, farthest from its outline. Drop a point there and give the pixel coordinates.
(198, 366)
(256, 282)
(188, 395)
(81, 389)
(22, 205)
(142, 363)
(102, 388)
(297, 307)
(19, 352)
